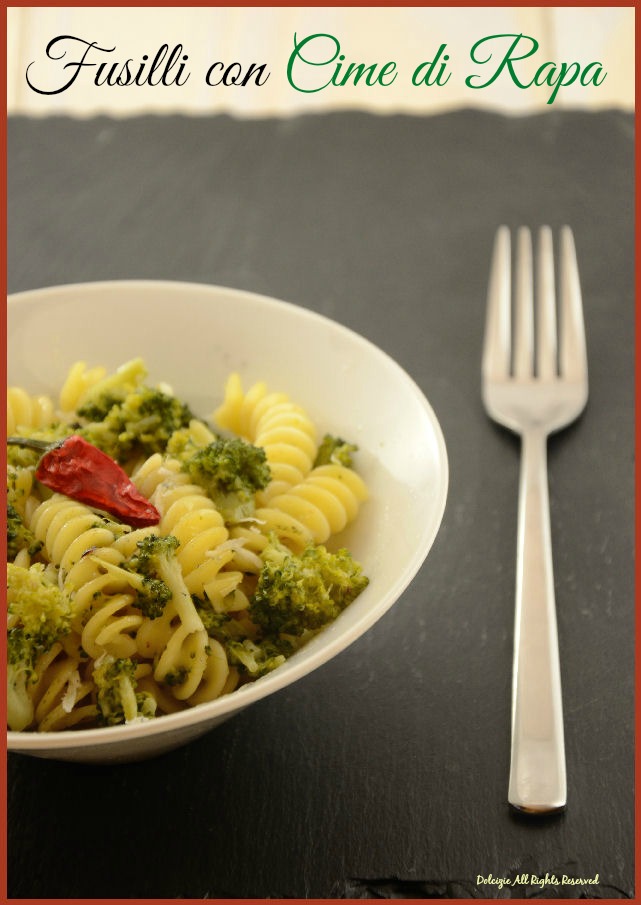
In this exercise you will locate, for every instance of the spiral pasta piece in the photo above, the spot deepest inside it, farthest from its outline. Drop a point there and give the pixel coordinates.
(165, 701)
(235, 412)
(250, 544)
(64, 702)
(217, 679)
(108, 628)
(321, 505)
(59, 697)
(190, 515)
(103, 612)
(20, 488)
(179, 645)
(68, 530)
(198, 434)
(89, 582)
(22, 558)
(285, 526)
(25, 411)
(23, 497)
(155, 471)
(78, 381)
(275, 423)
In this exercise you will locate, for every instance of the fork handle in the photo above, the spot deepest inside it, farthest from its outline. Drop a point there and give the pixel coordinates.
(537, 769)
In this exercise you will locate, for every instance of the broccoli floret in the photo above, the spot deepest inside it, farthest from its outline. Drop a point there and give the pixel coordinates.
(99, 399)
(39, 616)
(176, 676)
(19, 537)
(152, 597)
(221, 626)
(256, 658)
(143, 422)
(116, 698)
(154, 555)
(231, 471)
(152, 594)
(99, 409)
(335, 451)
(152, 572)
(41, 610)
(224, 627)
(121, 414)
(182, 444)
(299, 594)
(157, 415)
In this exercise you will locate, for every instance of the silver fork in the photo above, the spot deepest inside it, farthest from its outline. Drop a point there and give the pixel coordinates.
(534, 385)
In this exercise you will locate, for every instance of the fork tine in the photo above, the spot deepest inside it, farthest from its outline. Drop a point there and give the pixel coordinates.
(546, 359)
(573, 357)
(523, 310)
(496, 346)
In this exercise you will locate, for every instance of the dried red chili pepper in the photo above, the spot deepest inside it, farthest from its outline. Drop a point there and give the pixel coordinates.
(83, 472)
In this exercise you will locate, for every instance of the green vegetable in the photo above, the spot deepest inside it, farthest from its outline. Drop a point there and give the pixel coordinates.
(176, 676)
(39, 616)
(121, 414)
(42, 611)
(19, 537)
(112, 390)
(231, 471)
(117, 700)
(152, 572)
(221, 626)
(154, 556)
(335, 451)
(256, 658)
(299, 594)
(142, 422)
(181, 444)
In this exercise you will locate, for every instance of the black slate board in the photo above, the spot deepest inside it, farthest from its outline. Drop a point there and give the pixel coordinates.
(395, 787)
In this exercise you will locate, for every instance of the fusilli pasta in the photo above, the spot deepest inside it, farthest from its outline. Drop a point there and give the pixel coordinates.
(276, 424)
(111, 623)
(25, 411)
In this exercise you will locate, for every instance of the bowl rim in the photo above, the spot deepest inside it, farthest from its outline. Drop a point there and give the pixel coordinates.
(293, 670)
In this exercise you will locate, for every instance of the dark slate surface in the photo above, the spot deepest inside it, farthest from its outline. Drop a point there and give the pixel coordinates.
(384, 773)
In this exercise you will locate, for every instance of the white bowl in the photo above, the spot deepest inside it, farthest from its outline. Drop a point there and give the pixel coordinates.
(192, 336)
